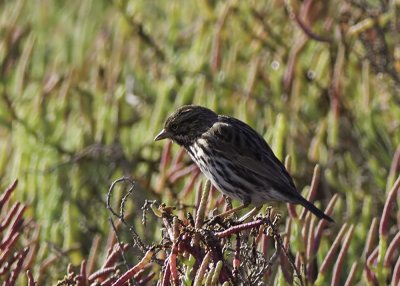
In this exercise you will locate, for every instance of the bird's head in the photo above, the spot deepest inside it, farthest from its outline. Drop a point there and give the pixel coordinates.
(187, 124)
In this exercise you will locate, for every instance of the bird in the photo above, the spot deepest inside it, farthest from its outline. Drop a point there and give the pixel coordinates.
(234, 157)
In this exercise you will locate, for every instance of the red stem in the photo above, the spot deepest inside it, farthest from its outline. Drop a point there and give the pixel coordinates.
(7, 193)
(83, 273)
(313, 189)
(165, 157)
(10, 215)
(167, 275)
(31, 281)
(238, 228)
(387, 210)
(337, 270)
(370, 261)
(101, 274)
(332, 251)
(322, 223)
(396, 273)
(114, 255)
(394, 246)
(172, 264)
(135, 269)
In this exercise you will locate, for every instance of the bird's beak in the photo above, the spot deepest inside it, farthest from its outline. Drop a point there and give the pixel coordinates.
(162, 135)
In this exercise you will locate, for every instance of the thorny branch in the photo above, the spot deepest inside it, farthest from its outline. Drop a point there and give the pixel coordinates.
(209, 244)
(121, 215)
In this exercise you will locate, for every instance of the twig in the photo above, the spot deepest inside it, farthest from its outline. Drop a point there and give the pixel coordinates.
(120, 216)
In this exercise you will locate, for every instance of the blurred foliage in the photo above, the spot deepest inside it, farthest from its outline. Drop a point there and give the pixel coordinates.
(86, 85)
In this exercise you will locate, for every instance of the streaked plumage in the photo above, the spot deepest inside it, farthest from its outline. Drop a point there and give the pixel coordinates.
(234, 157)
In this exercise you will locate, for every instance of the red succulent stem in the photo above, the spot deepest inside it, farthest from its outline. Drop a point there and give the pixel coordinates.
(114, 255)
(238, 228)
(166, 156)
(331, 256)
(167, 274)
(322, 223)
(313, 189)
(178, 157)
(18, 220)
(83, 273)
(7, 193)
(10, 216)
(352, 274)
(292, 211)
(108, 281)
(189, 186)
(141, 272)
(395, 166)
(310, 254)
(101, 274)
(394, 246)
(370, 262)
(202, 269)
(387, 210)
(31, 280)
(94, 248)
(172, 264)
(396, 273)
(337, 270)
(131, 272)
(173, 177)
(371, 237)
(12, 279)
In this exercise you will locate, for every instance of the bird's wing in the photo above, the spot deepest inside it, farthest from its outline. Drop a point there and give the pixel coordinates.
(253, 153)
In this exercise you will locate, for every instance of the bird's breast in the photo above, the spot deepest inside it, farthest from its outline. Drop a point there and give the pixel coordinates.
(199, 156)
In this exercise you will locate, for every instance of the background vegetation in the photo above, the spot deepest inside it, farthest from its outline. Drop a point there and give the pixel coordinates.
(86, 85)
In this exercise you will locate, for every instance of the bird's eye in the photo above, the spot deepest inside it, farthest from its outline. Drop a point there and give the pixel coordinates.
(174, 126)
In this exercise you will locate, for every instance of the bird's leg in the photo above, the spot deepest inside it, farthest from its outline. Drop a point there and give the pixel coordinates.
(250, 214)
(231, 211)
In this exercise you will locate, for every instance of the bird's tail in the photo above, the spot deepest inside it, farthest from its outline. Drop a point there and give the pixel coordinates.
(310, 206)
